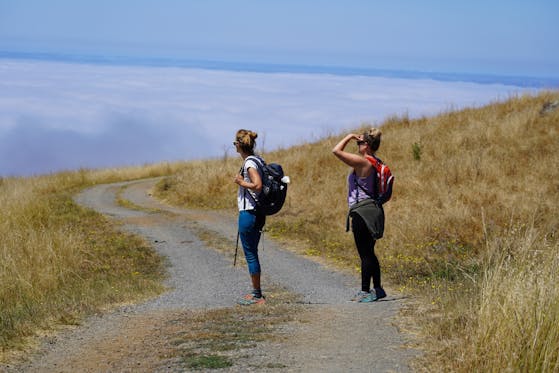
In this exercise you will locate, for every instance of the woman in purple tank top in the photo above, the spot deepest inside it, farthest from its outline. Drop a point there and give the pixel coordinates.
(361, 186)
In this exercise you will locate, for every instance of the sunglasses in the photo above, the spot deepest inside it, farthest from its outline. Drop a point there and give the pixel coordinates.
(361, 142)
(235, 143)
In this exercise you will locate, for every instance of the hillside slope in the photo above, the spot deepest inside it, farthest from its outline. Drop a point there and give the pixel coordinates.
(471, 186)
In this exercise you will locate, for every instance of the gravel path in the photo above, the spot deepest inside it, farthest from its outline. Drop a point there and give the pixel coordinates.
(335, 336)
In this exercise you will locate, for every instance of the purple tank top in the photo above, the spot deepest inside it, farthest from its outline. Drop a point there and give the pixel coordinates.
(356, 194)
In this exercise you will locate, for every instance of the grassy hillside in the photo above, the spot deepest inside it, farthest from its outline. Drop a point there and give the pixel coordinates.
(471, 233)
(59, 261)
(471, 228)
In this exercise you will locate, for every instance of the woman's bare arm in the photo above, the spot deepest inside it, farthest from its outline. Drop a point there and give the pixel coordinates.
(351, 159)
(255, 183)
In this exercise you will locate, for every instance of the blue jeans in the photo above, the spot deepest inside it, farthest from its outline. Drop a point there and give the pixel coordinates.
(250, 227)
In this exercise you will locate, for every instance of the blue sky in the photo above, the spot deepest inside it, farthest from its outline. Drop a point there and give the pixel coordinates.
(495, 37)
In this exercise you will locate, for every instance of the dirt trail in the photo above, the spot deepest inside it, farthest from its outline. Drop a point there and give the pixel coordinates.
(328, 335)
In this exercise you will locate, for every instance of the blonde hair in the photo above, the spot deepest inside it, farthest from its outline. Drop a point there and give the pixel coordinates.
(372, 137)
(246, 140)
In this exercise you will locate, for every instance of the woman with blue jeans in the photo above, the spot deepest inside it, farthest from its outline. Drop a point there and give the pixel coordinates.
(250, 221)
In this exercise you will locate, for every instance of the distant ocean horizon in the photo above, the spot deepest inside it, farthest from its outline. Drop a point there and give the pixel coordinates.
(65, 112)
(257, 67)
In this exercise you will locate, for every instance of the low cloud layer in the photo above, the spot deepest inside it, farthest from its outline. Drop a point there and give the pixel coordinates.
(32, 148)
(59, 116)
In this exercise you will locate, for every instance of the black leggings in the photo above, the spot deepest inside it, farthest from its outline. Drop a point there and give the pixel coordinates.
(365, 243)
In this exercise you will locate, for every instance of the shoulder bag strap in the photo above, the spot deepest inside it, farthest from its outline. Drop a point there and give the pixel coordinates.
(242, 172)
(359, 186)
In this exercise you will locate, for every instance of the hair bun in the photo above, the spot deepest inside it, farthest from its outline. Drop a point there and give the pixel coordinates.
(246, 139)
(372, 136)
(375, 132)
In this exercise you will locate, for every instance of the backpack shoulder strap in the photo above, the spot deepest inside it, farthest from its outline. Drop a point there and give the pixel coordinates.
(256, 158)
(376, 162)
(252, 157)
(242, 173)
(359, 186)
(259, 162)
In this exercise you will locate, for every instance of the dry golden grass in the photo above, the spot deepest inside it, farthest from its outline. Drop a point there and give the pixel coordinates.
(471, 229)
(59, 261)
(518, 320)
(463, 178)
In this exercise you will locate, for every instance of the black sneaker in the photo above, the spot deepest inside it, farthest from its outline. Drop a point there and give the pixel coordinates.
(379, 293)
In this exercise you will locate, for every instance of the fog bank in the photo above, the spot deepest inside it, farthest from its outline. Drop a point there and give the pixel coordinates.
(56, 116)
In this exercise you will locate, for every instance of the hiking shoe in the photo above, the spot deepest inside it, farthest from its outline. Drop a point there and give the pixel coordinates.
(250, 299)
(363, 297)
(379, 293)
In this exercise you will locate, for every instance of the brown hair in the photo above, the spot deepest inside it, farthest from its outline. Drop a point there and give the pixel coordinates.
(372, 137)
(246, 140)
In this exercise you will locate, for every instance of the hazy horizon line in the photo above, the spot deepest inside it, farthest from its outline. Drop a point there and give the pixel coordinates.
(266, 67)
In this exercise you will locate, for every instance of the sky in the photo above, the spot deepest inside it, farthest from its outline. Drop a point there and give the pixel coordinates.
(510, 37)
(66, 113)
